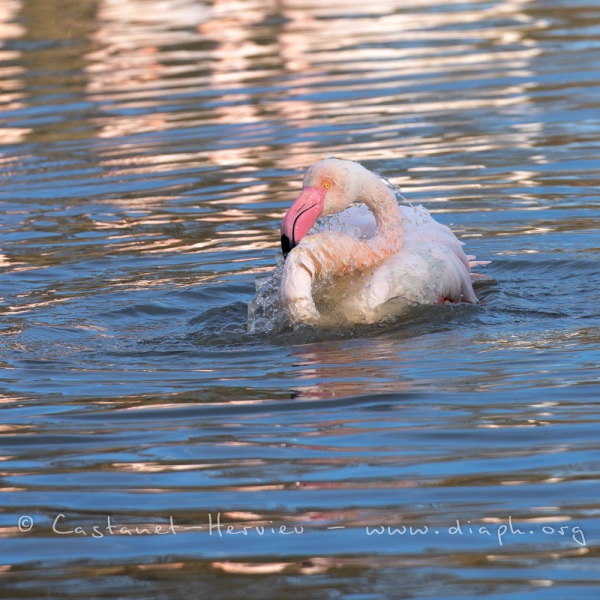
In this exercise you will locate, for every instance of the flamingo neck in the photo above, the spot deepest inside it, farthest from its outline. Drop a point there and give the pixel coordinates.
(380, 198)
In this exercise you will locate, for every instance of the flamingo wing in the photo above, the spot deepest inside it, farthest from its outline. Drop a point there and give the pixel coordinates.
(431, 267)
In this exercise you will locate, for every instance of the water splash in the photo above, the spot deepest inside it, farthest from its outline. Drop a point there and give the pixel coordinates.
(265, 312)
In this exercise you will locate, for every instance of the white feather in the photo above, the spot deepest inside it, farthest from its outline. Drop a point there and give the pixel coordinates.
(430, 266)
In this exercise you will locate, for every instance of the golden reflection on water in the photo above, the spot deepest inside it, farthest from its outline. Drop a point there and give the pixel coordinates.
(241, 97)
(159, 66)
(11, 90)
(225, 51)
(325, 372)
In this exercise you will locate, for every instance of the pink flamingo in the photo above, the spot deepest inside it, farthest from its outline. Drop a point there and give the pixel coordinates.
(372, 260)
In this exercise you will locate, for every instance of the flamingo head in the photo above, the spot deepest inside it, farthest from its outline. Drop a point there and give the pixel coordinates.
(330, 186)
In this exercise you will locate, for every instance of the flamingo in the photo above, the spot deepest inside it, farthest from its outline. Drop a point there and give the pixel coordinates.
(373, 259)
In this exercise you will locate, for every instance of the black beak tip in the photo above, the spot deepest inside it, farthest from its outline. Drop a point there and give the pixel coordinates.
(286, 245)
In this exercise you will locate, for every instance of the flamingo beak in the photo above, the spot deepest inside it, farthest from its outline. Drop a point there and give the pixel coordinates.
(301, 217)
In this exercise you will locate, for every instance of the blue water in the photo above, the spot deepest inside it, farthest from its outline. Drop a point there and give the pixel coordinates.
(151, 445)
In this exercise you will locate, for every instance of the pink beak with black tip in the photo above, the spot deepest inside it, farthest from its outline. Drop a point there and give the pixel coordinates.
(301, 217)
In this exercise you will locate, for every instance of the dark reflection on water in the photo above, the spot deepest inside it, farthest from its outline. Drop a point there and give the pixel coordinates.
(148, 149)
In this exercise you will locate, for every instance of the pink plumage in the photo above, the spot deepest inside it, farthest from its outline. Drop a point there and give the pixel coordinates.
(369, 257)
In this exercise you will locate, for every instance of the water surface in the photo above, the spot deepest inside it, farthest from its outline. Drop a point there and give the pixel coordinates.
(151, 445)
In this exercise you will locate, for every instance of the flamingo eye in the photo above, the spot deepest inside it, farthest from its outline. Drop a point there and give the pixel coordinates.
(327, 185)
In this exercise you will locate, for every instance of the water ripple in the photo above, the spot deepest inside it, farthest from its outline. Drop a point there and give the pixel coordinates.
(149, 149)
